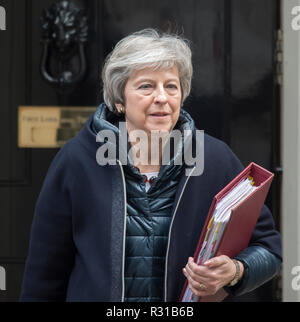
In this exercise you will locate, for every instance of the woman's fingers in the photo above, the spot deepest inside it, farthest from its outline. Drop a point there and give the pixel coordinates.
(196, 287)
(196, 270)
(207, 279)
(215, 261)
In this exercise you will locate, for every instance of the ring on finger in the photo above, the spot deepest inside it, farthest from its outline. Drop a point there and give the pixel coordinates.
(201, 286)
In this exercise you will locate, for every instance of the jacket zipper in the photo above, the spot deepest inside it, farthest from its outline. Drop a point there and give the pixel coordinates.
(170, 231)
(124, 232)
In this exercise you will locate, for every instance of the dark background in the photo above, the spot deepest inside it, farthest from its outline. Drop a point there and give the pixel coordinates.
(234, 95)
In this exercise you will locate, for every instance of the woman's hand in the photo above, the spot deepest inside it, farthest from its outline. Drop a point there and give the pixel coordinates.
(207, 279)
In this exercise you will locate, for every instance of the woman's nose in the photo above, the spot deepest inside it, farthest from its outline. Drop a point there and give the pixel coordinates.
(160, 96)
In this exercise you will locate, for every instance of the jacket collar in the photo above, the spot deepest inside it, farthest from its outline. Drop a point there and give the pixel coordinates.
(104, 119)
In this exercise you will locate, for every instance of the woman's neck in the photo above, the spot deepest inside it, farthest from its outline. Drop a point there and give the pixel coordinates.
(147, 153)
(148, 168)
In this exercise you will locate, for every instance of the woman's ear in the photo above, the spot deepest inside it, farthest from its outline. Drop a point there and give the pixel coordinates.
(120, 108)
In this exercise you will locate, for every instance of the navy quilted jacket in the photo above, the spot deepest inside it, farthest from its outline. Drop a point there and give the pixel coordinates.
(148, 221)
(77, 248)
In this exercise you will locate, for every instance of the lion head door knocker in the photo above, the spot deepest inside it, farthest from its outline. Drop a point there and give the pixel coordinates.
(64, 32)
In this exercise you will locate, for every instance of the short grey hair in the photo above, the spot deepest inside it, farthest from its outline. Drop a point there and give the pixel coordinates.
(147, 48)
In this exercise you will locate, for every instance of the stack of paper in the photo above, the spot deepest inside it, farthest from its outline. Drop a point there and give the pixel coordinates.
(217, 224)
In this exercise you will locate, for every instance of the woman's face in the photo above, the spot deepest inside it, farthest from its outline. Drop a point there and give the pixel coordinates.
(152, 100)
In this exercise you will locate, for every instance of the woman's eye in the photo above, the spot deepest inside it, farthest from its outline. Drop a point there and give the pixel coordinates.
(145, 86)
(172, 86)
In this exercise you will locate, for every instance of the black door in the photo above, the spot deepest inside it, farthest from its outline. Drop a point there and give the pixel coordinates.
(234, 94)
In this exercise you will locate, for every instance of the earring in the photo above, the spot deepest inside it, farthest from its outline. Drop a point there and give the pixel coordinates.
(122, 110)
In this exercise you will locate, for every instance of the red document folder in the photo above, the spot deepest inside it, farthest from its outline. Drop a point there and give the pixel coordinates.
(241, 224)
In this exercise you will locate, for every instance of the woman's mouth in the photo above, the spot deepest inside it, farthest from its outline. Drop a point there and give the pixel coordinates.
(159, 114)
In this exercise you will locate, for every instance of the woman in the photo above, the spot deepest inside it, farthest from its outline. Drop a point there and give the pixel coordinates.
(127, 232)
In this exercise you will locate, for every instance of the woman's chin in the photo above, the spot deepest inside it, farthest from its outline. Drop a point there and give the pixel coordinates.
(159, 129)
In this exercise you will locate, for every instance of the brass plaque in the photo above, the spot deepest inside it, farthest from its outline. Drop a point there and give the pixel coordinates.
(50, 126)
